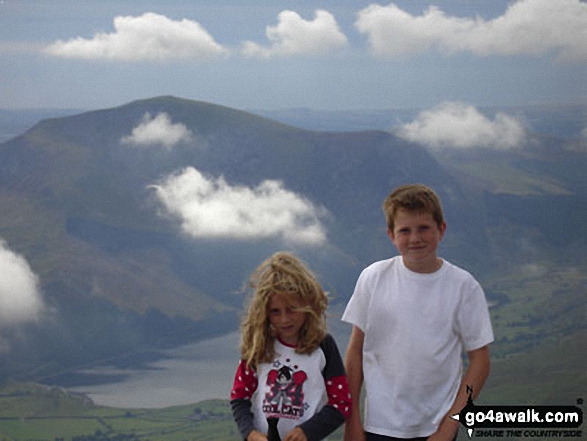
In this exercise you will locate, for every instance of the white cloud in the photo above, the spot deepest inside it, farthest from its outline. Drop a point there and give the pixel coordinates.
(211, 208)
(157, 131)
(148, 37)
(459, 125)
(295, 36)
(527, 27)
(20, 298)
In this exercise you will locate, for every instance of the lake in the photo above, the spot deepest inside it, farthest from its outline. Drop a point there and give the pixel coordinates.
(187, 374)
(184, 375)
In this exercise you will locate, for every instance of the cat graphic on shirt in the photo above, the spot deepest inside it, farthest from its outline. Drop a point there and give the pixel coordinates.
(285, 396)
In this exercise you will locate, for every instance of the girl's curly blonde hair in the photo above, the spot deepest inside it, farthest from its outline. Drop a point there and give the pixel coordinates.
(282, 273)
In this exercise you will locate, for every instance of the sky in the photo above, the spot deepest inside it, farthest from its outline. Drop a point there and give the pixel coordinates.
(268, 54)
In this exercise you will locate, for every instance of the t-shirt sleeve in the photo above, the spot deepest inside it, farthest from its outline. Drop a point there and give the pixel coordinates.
(337, 388)
(245, 384)
(338, 408)
(358, 306)
(473, 318)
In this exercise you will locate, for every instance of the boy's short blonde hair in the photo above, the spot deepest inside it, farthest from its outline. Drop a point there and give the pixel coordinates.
(415, 198)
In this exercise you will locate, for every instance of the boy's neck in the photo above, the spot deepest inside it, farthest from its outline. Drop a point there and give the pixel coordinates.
(428, 267)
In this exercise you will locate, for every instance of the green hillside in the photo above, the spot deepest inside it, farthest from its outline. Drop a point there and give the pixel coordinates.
(34, 412)
(551, 374)
(536, 304)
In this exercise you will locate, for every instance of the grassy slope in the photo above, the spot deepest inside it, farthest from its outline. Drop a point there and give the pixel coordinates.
(537, 303)
(553, 373)
(34, 412)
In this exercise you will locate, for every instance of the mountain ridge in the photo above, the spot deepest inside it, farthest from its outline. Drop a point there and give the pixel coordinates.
(120, 273)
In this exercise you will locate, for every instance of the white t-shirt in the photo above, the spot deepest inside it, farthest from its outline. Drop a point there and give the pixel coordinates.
(293, 399)
(416, 328)
(305, 390)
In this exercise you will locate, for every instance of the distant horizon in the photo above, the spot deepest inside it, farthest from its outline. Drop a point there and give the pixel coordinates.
(295, 108)
(505, 124)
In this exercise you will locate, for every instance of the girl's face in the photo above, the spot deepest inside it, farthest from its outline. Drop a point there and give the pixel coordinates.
(286, 321)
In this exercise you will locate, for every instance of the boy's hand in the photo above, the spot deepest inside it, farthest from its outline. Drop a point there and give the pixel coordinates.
(447, 431)
(256, 436)
(353, 432)
(296, 435)
(441, 436)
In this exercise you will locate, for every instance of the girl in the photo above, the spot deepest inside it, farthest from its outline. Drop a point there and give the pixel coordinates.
(291, 377)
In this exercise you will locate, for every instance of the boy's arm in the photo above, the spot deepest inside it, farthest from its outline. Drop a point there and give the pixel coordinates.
(353, 428)
(475, 376)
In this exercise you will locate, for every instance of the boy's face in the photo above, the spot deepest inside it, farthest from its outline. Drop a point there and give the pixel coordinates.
(417, 236)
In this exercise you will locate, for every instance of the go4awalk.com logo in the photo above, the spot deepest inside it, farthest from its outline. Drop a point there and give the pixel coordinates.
(521, 421)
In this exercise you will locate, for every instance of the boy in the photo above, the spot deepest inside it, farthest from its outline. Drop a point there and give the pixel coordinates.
(413, 315)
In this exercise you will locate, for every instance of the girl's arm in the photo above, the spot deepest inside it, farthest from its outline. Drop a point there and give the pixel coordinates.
(338, 408)
(245, 384)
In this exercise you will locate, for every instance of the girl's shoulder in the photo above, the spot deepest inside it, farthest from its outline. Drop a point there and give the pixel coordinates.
(328, 344)
(334, 366)
(328, 339)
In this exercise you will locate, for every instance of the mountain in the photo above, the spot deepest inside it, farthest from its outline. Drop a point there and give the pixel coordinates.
(121, 272)
(14, 122)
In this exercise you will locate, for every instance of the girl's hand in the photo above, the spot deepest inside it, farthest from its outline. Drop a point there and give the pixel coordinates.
(296, 435)
(256, 436)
